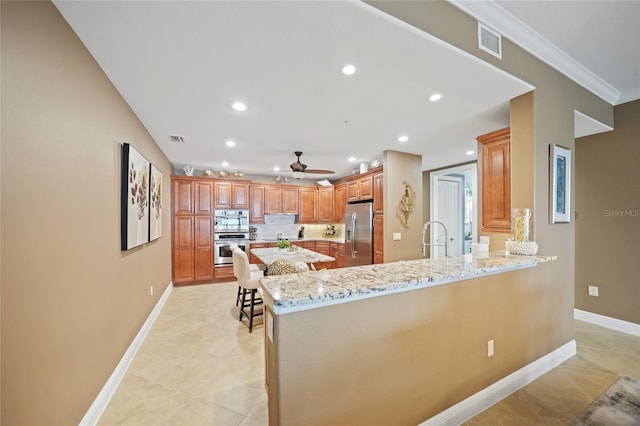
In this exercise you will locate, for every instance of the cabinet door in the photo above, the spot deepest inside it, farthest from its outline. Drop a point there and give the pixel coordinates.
(223, 195)
(353, 191)
(182, 197)
(366, 188)
(240, 195)
(309, 245)
(203, 267)
(308, 205)
(290, 200)
(378, 239)
(183, 249)
(323, 247)
(224, 272)
(340, 200)
(325, 204)
(340, 256)
(272, 199)
(378, 202)
(204, 197)
(496, 181)
(256, 204)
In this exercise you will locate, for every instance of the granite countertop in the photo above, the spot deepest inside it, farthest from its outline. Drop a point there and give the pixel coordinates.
(308, 290)
(270, 255)
(295, 240)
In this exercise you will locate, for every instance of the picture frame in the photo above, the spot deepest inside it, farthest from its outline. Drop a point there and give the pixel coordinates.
(560, 184)
(155, 200)
(134, 202)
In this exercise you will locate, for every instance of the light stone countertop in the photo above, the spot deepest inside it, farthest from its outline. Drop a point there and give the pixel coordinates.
(297, 240)
(310, 290)
(270, 255)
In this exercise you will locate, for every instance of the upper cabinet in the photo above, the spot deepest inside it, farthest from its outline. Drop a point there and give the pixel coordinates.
(360, 189)
(308, 205)
(339, 201)
(325, 204)
(280, 199)
(182, 197)
(231, 195)
(378, 202)
(496, 181)
(256, 203)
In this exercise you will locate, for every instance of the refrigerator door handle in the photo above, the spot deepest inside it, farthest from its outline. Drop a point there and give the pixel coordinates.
(353, 235)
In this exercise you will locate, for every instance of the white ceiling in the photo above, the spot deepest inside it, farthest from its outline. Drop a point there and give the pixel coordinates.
(180, 65)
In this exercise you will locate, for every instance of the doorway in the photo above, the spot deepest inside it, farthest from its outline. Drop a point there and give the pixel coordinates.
(453, 201)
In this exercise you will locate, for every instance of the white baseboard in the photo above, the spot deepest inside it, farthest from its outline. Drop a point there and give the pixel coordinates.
(475, 404)
(608, 322)
(100, 403)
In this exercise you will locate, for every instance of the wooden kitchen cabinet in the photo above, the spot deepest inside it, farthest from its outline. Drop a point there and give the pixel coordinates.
(183, 197)
(360, 189)
(378, 238)
(337, 252)
(340, 200)
(308, 205)
(231, 195)
(378, 201)
(325, 204)
(496, 180)
(280, 199)
(183, 249)
(309, 245)
(256, 204)
(324, 247)
(203, 248)
(252, 257)
(203, 195)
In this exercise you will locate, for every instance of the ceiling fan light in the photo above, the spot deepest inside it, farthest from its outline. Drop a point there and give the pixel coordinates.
(297, 175)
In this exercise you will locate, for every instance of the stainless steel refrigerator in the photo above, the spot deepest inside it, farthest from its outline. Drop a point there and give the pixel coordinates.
(358, 219)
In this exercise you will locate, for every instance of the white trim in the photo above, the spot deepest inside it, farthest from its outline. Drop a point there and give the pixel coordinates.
(608, 322)
(524, 36)
(100, 403)
(583, 125)
(475, 404)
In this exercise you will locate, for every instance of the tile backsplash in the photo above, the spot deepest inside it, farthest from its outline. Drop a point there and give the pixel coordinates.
(285, 224)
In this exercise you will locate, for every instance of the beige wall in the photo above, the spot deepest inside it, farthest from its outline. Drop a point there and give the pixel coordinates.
(402, 358)
(608, 218)
(401, 167)
(71, 300)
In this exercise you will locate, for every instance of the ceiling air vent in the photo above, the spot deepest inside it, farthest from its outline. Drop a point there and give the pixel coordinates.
(176, 139)
(489, 40)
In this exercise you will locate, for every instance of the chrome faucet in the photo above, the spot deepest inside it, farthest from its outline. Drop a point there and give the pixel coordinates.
(425, 228)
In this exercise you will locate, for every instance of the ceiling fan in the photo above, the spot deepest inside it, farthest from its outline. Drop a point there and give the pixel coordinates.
(299, 168)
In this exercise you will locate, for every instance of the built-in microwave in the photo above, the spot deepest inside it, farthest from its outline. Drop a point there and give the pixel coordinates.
(231, 221)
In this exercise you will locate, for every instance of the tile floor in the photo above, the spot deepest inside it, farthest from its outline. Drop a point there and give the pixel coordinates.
(200, 366)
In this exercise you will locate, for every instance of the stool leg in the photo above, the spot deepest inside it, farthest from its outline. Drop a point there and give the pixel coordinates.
(238, 295)
(253, 296)
(244, 293)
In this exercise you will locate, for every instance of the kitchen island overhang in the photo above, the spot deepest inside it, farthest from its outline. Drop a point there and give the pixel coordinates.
(405, 354)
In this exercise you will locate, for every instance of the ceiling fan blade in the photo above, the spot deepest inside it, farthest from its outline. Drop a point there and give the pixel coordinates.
(319, 171)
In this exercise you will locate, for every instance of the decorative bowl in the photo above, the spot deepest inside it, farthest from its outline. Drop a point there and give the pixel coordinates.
(527, 248)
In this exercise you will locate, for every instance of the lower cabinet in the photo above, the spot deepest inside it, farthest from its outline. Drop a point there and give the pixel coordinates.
(252, 257)
(203, 247)
(337, 252)
(309, 245)
(224, 272)
(183, 255)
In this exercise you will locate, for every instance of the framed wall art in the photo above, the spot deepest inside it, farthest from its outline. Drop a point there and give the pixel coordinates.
(134, 198)
(155, 209)
(560, 182)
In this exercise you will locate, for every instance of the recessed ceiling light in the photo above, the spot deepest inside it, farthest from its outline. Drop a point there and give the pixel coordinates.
(239, 106)
(230, 143)
(225, 164)
(349, 69)
(352, 159)
(276, 169)
(470, 152)
(403, 138)
(435, 97)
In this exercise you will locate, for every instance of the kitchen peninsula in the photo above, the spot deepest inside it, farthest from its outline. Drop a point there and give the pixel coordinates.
(398, 343)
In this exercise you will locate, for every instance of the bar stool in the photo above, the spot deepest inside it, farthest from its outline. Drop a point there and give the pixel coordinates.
(252, 267)
(248, 281)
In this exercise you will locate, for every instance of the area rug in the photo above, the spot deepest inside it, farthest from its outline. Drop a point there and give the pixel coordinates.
(617, 406)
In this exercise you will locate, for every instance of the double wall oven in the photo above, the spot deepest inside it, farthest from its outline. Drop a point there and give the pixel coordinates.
(230, 227)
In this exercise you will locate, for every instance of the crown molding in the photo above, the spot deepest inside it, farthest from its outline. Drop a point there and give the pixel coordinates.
(491, 14)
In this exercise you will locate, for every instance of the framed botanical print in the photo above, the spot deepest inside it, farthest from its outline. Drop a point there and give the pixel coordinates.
(134, 223)
(560, 184)
(155, 208)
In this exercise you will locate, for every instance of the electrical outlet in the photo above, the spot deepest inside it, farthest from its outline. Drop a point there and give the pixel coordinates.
(397, 236)
(151, 291)
(490, 348)
(593, 290)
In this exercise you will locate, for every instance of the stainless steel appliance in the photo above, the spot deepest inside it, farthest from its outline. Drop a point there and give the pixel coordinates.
(358, 219)
(231, 221)
(222, 243)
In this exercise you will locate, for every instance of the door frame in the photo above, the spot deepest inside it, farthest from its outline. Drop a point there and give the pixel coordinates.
(436, 230)
(433, 204)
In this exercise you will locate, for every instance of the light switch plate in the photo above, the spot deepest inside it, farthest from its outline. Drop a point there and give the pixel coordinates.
(593, 290)
(397, 236)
